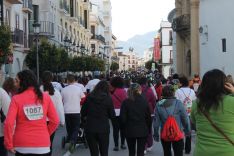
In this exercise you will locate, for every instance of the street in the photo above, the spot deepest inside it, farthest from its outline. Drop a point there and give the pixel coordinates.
(81, 151)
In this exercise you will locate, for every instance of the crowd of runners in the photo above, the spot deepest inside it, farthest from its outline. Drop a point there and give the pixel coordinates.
(142, 107)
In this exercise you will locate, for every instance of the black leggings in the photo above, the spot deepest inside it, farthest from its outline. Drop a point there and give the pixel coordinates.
(140, 146)
(20, 154)
(3, 151)
(116, 130)
(177, 146)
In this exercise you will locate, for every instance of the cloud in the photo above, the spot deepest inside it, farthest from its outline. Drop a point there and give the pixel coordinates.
(131, 17)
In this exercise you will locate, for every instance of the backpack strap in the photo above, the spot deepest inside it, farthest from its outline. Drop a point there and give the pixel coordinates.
(217, 128)
(185, 94)
(174, 108)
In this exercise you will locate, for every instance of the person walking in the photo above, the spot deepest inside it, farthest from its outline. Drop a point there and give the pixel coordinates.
(213, 115)
(4, 106)
(187, 96)
(118, 95)
(71, 96)
(169, 106)
(26, 131)
(95, 112)
(135, 116)
(56, 97)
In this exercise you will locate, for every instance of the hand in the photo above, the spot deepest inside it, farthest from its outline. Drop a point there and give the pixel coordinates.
(13, 151)
(229, 87)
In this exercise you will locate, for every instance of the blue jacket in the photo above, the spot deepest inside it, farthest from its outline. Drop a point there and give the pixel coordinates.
(170, 106)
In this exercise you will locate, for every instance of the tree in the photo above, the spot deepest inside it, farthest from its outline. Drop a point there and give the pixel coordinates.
(148, 64)
(5, 42)
(114, 66)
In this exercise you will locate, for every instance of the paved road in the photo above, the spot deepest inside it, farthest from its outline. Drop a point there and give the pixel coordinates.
(81, 151)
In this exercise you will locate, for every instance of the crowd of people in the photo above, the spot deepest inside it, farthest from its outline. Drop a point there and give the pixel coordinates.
(143, 107)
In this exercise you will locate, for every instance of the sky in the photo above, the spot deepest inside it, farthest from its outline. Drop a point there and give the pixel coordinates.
(137, 17)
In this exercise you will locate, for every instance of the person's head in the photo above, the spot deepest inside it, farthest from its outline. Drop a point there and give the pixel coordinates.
(230, 79)
(134, 90)
(127, 83)
(168, 91)
(175, 76)
(26, 79)
(143, 81)
(9, 85)
(101, 87)
(211, 90)
(184, 81)
(70, 78)
(47, 78)
(117, 82)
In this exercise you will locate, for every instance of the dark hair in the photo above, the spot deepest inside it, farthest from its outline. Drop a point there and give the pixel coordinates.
(143, 81)
(133, 91)
(28, 79)
(101, 87)
(168, 91)
(117, 82)
(47, 78)
(211, 90)
(127, 83)
(175, 76)
(9, 85)
(184, 81)
(70, 78)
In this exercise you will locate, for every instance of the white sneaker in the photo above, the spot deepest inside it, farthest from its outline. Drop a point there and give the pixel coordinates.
(149, 149)
(145, 151)
(68, 153)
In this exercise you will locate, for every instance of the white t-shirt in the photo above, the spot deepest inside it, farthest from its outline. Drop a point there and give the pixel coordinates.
(71, 96)
(91, 84)
(184, 92)
(81, 86)
(4, 105)
(57, 86)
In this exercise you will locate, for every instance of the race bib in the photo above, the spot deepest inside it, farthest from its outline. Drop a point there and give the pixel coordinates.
(33, 112)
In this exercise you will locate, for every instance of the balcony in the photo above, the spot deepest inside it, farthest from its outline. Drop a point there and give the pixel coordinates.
(64, 7)
(14, 1)
(73, 19)
(98, 37)
(181, 24)
(46, 28)
(27, 6)
(17, 36)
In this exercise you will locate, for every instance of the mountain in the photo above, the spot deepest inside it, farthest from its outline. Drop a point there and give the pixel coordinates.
(139, 42)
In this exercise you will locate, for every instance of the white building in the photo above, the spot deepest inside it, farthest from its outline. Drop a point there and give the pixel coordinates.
(148, 54)
(166, 48)
(132, 59)
(123, 61)
(216, 35)
(16, 15)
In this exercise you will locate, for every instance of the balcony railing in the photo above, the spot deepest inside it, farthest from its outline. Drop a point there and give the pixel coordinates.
(181, 23)
(46, 28)
(17, 36)
(98, 37)
(15, 1)
(64, 6)
(81, 21)
(27, 6)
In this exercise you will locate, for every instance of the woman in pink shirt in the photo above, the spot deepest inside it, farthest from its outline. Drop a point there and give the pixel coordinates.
(26, 131)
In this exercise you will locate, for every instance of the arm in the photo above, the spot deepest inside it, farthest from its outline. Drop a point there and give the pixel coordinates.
(194, 109)
(111, 110)
(123, 113)
(52, 116)
(148, 118)
(5, 101)
(156, 123)
(184, 118)
(9, 125)
(84, 110)
(60, 109)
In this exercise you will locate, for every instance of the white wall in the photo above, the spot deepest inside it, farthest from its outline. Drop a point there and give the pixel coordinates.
(219, 18)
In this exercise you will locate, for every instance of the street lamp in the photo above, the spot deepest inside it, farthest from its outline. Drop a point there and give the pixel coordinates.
(82, 48)
(66, 43)
(36, 28)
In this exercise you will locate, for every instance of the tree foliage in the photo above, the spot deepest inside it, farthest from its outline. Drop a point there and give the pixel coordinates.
(148, 64)
(114, 66)
(5, 42)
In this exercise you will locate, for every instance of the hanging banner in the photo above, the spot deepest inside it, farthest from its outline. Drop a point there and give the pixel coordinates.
(157, 49)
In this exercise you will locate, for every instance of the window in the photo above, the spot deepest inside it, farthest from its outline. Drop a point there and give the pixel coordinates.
(93, 29)
(17, 21)
(7, 17)
(170, 37)
(224, 46)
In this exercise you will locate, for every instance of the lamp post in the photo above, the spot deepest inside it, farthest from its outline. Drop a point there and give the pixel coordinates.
(82, 48)
(36, 27)
(66, 43)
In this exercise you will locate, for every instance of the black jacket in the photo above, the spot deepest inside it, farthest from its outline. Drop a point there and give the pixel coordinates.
(96, 112)
(136, 117)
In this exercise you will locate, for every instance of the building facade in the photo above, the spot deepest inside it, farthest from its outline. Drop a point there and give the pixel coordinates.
(166, 48)
(186, 26)
(216, 36)
(148, 54)
(16, 14)
(123, 61)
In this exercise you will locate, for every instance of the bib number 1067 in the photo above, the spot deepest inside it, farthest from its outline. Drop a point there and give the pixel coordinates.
(33, 112)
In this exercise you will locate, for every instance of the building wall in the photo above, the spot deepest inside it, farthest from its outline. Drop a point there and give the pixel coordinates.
(148, 54)
(216, 26)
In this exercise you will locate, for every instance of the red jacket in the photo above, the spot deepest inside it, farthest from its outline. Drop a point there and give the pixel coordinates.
(118, 97)
(20, 131)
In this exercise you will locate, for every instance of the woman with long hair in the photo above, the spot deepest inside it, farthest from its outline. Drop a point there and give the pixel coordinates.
(56, 97)
(135, 117)
(213, 114)
(26, 130)
(95, 114)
